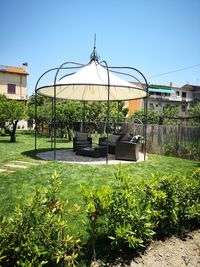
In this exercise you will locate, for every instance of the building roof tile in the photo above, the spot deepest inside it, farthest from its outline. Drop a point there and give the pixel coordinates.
(12, 69)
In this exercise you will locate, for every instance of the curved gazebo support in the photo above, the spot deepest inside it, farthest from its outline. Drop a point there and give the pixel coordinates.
(36, 120)
(145, 102)
(108, 109)
(53, 141)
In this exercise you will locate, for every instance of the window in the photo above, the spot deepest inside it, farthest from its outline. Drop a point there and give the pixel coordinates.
(183, 108)
(177, 93)
(151, 105)
(184, 94)
(11, 88)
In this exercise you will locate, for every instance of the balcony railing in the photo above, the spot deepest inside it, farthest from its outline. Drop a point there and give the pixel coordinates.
(172, 98)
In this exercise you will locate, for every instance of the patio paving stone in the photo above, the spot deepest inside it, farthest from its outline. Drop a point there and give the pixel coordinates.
(68, 156)
(16, 166)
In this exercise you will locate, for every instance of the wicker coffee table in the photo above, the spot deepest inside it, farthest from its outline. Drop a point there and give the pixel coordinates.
(94, 151)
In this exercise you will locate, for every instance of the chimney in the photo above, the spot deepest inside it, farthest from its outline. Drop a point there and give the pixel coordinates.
(170, 84)
(25, 66)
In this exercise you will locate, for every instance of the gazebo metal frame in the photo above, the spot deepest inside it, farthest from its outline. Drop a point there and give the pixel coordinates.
(75, 66)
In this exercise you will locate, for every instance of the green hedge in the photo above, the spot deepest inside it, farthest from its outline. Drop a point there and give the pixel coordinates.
(127, 215)
(39, 234)
(132, 214)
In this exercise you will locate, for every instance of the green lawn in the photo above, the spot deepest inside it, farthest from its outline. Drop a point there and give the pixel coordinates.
(17, 186)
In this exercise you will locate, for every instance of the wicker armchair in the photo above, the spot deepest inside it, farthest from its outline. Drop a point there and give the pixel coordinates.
(127, 151)
(81, 139)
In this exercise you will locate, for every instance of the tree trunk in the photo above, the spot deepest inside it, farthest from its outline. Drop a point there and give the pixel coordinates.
(13, 131)
(68, 133)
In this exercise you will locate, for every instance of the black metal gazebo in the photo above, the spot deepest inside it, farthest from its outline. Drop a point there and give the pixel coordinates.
(94, 81)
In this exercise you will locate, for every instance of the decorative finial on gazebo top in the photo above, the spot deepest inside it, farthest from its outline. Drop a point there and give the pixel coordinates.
(94, 55)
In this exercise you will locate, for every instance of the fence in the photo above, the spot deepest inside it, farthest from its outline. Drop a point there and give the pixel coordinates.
(171, 140)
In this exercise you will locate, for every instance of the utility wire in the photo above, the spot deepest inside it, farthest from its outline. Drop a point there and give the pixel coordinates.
(165, 73)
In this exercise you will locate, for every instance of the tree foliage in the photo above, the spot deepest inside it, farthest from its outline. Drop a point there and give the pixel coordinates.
(11, 112)
(70, 112)
(195, 112)
(43, 111)
(155, 117)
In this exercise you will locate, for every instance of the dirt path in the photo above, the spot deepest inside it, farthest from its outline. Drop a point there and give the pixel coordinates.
(173, 252)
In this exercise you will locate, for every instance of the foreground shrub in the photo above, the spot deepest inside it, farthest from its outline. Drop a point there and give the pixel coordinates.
(38, 234)
(188, 192)
(131, 214)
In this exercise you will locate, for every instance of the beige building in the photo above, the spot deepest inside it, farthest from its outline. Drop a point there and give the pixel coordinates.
(13, 84)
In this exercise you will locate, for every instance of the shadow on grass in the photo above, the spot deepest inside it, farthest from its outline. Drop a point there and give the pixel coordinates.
(60, 141)
(33, 154)
(5, 141)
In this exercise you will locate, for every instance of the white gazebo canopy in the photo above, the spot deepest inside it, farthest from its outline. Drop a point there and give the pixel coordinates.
(91, 83)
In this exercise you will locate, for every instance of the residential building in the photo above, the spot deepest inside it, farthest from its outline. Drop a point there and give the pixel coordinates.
(195, 90)
(161, 96)
(13, 84)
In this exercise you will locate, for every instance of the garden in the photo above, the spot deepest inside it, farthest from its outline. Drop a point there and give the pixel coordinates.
(60, 214)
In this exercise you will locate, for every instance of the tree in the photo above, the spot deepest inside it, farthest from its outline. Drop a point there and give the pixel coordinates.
(195, 112)
(44, 111)
(69, 112)
(11, 112)
(153, 117)
(66, 114)
(169, 114)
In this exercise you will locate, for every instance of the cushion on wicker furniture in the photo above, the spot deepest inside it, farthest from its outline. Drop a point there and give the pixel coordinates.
(81, 139)
(126, 137)
(112, 139)
(81, 136)
(135, 139)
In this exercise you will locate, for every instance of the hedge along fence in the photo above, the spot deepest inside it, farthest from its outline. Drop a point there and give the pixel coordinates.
(169, 139)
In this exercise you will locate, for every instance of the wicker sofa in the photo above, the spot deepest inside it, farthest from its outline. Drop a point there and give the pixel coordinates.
(113, 140)
(127, 151)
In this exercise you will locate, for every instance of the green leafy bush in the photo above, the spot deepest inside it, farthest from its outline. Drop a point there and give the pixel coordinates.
(127, 215)
(169, 150)
(188, 192)
(189, 151)
(131, 214)
(38, 234)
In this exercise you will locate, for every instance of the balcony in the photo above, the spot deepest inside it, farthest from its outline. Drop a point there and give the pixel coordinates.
(171, 98)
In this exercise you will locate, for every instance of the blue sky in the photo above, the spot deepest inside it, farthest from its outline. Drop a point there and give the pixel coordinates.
(155, 36)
